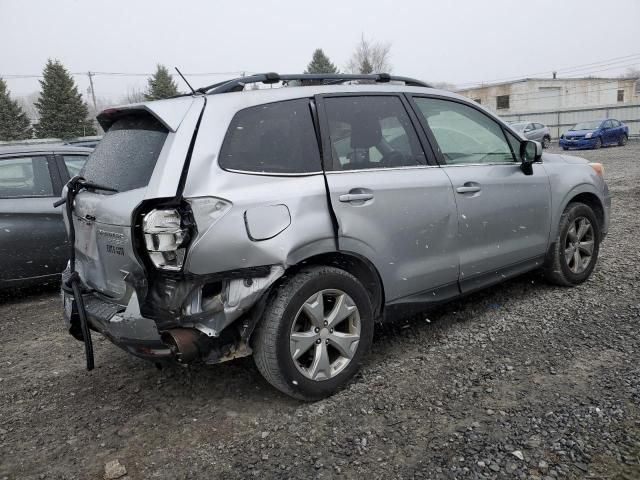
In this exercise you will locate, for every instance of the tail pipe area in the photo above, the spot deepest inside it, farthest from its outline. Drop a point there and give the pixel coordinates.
(186, 344)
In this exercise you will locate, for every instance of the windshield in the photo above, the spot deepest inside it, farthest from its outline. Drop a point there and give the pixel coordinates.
(587, 125)
(519, 127)
(127, 155)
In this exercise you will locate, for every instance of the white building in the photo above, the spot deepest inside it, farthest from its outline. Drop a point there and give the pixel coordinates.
(546, 94)
(561, 102)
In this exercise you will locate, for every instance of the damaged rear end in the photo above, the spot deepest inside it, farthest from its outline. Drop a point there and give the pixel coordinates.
(131, 244)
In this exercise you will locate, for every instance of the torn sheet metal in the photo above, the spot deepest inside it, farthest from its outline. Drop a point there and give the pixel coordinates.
(237, 297)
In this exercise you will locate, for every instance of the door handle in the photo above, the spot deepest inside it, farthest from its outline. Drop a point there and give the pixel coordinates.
(355, 197)
(468, 189)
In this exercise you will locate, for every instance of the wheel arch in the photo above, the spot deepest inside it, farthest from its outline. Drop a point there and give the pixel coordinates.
(358, 266)
(593, 201)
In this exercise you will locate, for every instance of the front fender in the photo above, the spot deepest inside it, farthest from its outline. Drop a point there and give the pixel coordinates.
(569, 196)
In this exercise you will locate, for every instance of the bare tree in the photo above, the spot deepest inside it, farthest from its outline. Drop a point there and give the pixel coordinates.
(370, 57)
(133, 95)
(27, 103)
(631, 73)
(443, 86)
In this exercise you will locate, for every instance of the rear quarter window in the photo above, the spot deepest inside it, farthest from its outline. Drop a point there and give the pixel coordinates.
(272, 138)
(126, 156)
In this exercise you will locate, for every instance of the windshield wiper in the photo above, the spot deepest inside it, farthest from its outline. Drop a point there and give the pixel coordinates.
(95, 186)
(78, 183)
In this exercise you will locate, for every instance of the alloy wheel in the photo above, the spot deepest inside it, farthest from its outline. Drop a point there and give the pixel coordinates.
(579, 244)
(325, 334)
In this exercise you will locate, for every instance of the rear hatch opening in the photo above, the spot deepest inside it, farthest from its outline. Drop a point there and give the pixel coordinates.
(124, 160)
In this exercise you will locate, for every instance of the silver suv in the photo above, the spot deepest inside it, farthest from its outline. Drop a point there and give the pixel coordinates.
(285, 222)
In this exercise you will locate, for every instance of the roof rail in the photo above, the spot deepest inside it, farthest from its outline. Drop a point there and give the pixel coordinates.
(238, 84)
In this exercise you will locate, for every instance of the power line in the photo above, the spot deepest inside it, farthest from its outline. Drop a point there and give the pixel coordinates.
(558, 70)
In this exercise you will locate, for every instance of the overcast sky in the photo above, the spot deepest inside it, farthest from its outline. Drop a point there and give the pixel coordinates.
(453, 41)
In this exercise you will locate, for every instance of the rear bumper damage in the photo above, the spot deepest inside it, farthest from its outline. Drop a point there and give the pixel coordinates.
(187, 319)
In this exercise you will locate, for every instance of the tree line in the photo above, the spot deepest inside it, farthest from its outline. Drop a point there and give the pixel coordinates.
(63, 113)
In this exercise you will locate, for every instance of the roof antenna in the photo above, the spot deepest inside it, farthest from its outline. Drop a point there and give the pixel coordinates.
(185, 81)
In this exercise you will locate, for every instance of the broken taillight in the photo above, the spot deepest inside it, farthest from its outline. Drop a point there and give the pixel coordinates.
(164, 238)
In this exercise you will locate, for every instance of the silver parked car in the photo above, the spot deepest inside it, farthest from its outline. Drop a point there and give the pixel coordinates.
(285, 222)
(534, 131)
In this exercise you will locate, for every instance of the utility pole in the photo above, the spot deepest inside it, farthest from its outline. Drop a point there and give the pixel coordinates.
(93, 93)
(93, 97)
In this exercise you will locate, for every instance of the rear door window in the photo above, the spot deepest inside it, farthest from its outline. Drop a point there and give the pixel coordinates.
(371, 132)
(25, 177)
(272, 138)
(126, 156)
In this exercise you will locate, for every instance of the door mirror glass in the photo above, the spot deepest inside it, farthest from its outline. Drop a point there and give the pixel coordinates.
(530, 152)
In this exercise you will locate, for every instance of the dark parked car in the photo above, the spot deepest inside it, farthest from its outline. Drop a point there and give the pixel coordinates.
(595, 134)
(89, 142)
(33, 244)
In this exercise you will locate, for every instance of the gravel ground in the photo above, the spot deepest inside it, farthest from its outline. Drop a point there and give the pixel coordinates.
(524, 380)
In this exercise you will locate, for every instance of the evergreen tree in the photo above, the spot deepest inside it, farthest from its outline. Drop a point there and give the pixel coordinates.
(14, 123)
(161, 85)
(365, 67)
(63, 114)
(320, 63)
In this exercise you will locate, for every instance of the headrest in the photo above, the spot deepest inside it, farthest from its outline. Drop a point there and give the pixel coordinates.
(365, 131)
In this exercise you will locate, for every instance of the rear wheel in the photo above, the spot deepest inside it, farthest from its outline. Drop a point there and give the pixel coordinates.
(315, 331)
(622, 141)
(546, 142)
(575, 250)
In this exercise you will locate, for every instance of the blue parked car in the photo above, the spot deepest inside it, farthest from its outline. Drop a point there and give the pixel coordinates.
(595, 134)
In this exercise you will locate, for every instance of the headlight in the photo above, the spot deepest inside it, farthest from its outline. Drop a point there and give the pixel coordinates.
(589, 135)
(163, 237)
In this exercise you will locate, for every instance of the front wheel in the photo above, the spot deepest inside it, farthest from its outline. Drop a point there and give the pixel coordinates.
(598, 143)
(575, 251)
(622, 141)
(315, 331)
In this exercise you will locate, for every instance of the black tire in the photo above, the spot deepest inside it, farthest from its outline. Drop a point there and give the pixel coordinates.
(556, 268)
(598, 143)
(565, 148)
(271, 341)
(546, 142)
(622, 141)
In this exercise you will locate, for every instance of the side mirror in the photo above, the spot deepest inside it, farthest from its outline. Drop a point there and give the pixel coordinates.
(530, 152)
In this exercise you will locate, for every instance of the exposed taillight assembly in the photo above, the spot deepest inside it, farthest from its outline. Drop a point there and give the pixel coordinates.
(164, 238)
(169, 231)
